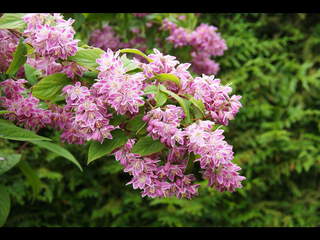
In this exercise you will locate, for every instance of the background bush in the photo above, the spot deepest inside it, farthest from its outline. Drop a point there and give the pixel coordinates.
(273, 62)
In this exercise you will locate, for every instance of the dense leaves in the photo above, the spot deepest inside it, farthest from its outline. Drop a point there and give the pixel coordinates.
(4, 205)
(58, 150)
(10, 131)
(98, 150)
(147, 146)
(50, 86)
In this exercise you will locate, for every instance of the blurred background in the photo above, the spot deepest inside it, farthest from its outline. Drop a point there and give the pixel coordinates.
(272, 60)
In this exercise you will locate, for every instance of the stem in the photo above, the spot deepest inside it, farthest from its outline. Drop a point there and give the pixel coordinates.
(22, 147)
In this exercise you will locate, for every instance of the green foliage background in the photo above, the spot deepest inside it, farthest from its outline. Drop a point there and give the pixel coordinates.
(273, 62)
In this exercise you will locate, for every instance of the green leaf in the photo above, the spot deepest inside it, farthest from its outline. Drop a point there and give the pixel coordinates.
(129, 65)
(30, 49)
(184, 103)
(87, 57)
(8, 161)
(135, 51)
(90, 74)
(135, 123)
(12, 21)
(5, 205)
(151, 89)
(49, 87)
(31, 73)
(5, 111)
(19, 58)
(147, 146)
(98, 150)
(10, 131)
(167, 77)
(199, 104)
(117, 119)
(58, 150)
(161, 98)
(32, 177)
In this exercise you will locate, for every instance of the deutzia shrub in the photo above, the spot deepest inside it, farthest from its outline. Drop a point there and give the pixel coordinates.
(150, 112)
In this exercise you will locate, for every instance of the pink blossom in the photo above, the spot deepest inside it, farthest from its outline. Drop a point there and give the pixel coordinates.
(51, 35)
(25, 111)
(76, 93)
(8, 44)
(105, 38)
(205, 38)
(220, 107)
(164, 125)
(224, 177)
(203, 64)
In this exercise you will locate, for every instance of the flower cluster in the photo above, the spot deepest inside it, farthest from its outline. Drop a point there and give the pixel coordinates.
(123, 92)
(166, 64)
(154, 179)
(215, 156)
(91, 117)
(131, 96)
(8, 44)
(25, 111)
(215, 97)
(51, 35)
(205, 41)
(107, 38)
(164, 125)
(62, 118)
(52, 38)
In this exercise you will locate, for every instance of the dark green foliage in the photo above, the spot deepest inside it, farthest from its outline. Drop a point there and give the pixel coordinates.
(273, 62)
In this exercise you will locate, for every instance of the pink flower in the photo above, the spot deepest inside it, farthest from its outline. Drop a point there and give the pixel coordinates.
(205, 38)
(26, 112)
(47, 65)
(76, 93)
(51, 35)
(13, 88)
(8, 44)
(121, 91)
(220, 107)
(224, 177)
(164, 125)
(105, 38)
(160, 64)
(110, 64)
(205, 41)
(202, 63)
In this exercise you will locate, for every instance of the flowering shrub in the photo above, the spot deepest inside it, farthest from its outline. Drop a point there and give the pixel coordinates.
(150, 112)
(204, 40)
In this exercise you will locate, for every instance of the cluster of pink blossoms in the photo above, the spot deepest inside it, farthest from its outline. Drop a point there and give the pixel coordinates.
(52, 37)
(205, 41)
(163, 125)
(107, 38)
(8, 44)
(91, 118)
(88, 110)
(123, 92)
(219, 105)
(166, 64)
(25, 111)
(215, 156)
(156, 180)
